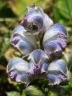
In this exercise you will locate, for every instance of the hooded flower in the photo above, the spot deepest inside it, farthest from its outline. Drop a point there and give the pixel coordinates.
(57, 72)
(43, 54)
(36, 20)
(17, 70)
(55, 39)
(38, 62)
(21, 71)
(37, 68)
(24, 43)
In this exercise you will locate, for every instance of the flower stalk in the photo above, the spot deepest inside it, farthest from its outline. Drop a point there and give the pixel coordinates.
(42, 42)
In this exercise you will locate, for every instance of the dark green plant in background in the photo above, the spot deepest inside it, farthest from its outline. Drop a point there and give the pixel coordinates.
(11, 14)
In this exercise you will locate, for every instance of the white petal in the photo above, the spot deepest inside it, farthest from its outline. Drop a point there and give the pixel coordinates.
(58, 65)
(57, 72)
(55, 32)
(37, 55)
(22, 33)
(47, 22)
(18, 64)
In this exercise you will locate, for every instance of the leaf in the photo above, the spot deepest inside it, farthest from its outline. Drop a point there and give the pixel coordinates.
(13, 93)
(52, 93)
(33, 91)
(58, 17)
(2, 4)
(70, 83)
(23, 94)
(65, 8)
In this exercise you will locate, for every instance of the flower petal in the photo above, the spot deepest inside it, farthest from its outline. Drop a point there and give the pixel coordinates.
(38, 62)
(44, 66)
(37, 55)
(55, 39)
(47, 22)
(17, 63)
(24, 43)
(17, 69)
(34, 69)
(38, 72)
(33, 22)
(36, 8)
(52, 48)
(36, 20)
(57, 72)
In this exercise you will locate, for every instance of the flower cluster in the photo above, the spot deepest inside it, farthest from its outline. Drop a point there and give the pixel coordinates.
(42, 43)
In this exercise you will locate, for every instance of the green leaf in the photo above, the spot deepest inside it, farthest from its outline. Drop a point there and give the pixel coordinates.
(52, 93)
(70, 83)
(58, 17)
(33, 91)
(2, 4)
(13, 93)
(23, 94)
(66, 87)
(65, 8)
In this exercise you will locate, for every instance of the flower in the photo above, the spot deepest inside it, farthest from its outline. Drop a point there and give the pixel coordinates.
(55, 39)
(24, 43)
(17, 69)
(36, 20)
(57, 72)
(38, 62)
(37, 68)
(42, 42)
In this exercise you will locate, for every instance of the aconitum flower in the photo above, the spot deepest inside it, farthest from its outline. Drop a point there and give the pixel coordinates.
(38, 62)
(22, 71)
(17, 69)
(43, 47)
(36, 20)
(38, 67)
(24, 43)
(55, 39)
(57, 72)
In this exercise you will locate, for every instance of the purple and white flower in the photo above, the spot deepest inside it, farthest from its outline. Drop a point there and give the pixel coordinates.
(36, 20)
(24, 43)
(43, 54)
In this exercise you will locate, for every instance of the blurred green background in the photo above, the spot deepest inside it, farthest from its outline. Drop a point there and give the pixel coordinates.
(11, 13)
